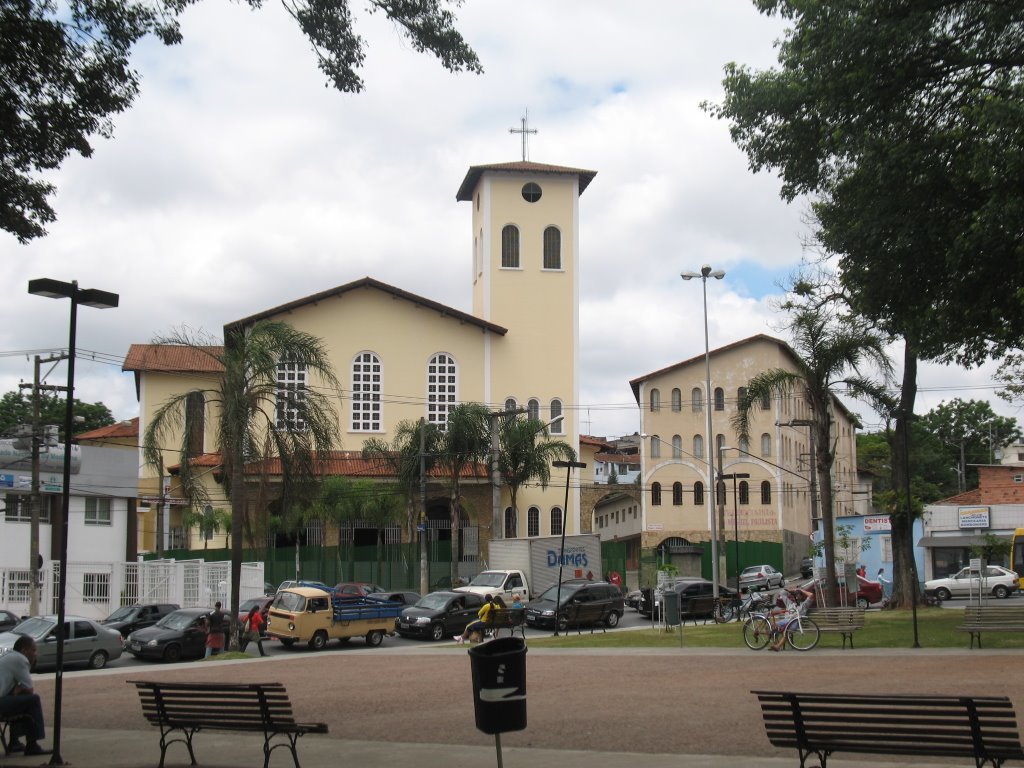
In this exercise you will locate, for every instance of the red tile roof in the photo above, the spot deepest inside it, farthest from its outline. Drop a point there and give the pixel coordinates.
(173, 358)
(122, 429)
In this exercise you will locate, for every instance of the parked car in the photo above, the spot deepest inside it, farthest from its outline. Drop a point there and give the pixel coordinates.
(263, 603)
(868, 592)
(996, 580)
(439, 615)
(401, 596)
(85, 641)
(686, 587)
(178, 635)
(8, 620)
(579, 603)
(761, 577)
(632, 599)
(128, 618)
(302, 583)
(354, 590)
(807, 567)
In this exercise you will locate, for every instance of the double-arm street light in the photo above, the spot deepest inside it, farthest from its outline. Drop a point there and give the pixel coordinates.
(704, 274)
(565, 511)
(89, 297)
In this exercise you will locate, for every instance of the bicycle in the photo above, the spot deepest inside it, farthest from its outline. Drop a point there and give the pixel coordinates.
(802, 634)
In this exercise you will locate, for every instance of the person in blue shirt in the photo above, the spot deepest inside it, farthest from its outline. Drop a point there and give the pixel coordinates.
(17, 697)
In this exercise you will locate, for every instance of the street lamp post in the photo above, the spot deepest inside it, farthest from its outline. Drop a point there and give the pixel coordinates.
(565, 511)
(704, 274)
(89, 297)
(736, 519)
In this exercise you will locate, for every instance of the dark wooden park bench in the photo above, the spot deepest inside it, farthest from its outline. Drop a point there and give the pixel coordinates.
(986, 618)
(702, 607)
(7, 733)
(818, 724)
(844, 621)
(507, 618)
(179, 710)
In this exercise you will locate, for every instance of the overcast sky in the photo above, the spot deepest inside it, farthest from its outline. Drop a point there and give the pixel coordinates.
(238, 182)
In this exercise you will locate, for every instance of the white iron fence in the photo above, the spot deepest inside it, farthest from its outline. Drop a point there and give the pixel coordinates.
(96, 590)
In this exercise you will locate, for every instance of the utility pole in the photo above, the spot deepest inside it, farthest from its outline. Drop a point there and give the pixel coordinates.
(34, 558)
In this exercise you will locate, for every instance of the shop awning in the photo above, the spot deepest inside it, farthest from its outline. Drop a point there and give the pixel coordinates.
(955, 541)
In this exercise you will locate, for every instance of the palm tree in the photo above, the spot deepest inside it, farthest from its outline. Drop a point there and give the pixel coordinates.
(832, 353)
(522, 459)
(465, 443)
(209, 522)
(294, 423)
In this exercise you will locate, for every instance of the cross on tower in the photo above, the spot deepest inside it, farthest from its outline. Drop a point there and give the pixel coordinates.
(525, 131)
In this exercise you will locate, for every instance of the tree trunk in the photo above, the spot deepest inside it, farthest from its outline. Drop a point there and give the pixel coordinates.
(237, 520)
(904, 576)
(454, 510)
(824, 458)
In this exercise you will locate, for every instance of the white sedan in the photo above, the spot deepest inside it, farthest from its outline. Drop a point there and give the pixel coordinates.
(997, 580)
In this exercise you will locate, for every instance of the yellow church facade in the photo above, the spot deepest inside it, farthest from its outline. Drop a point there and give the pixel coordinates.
(400, 356)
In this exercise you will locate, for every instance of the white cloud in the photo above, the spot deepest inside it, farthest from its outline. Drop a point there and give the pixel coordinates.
(239, 182)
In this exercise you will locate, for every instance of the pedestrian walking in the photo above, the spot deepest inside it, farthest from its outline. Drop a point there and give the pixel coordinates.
(215, 632)
(253, 630)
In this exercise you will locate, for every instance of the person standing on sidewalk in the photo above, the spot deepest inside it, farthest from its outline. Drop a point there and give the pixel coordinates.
(18, 698)
(215, 637)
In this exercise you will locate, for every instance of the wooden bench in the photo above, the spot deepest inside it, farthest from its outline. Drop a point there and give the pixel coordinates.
(702, 607)
(986, 618)
(507, 618)
(818, 724)
(845, 621)
(179, 710)
(7, 732)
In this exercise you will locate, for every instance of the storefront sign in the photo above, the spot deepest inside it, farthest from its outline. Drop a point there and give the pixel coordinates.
(875, 523)
(973, 517)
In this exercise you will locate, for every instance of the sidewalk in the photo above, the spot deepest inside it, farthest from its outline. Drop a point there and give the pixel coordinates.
(82, 748)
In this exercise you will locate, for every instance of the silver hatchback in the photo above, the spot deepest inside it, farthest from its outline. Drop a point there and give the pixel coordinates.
(761, 577)
(85, 641)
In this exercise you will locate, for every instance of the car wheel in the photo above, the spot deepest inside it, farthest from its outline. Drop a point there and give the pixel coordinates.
(437, 632)
(943, 594)
(172, 653)
(782, 582)
(862, 602)
(562, 623)
(1000, 591)
(374, 638)
(287, 642)
(98, 660)
(612, 620)
(318, 641)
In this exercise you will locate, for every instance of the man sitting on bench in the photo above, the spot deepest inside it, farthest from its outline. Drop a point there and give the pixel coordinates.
(18, 698)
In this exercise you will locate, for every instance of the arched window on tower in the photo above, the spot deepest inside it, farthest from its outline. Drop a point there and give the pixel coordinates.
(655, 400)
(719, 399)
(552, 248)
(677, 494)
(533, 522)
(696, 400)
(656, 494)
(698, 493)
(511, 531)
(698, 446)
(510, 246)
(533, 409)
(744, 492)
(766, 492)
(677, 447)
(556, 521)
(558, 427)
(677, 400)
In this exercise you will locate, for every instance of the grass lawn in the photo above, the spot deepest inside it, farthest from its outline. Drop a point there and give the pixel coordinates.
(882, 629)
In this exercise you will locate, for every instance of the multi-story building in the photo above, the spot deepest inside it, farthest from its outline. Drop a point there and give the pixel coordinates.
(764, 501)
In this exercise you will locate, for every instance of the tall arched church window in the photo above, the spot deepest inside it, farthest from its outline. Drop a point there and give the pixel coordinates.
(766, 492)
(367, 380)
(744, 492)
(656, 494)
(655, 447)
(677, 494)
(291, 395)
(510, 524)
(698, 446)
(533, 409)
(442, 387)
(655, 400)
(195, 421)
(719, 399)
(533, 522)
(556, 521)
(696, 400)
(698, 493)
(552, 248)
(677, 447)
(511, 404)
(766, 444)
(558, 427)
(510, 246)
(677, 400)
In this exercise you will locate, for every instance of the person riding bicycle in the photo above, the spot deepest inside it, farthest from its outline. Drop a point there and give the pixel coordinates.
(788, 606)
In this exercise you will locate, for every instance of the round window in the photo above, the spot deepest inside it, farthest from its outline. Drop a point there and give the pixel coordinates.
(531, 192)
